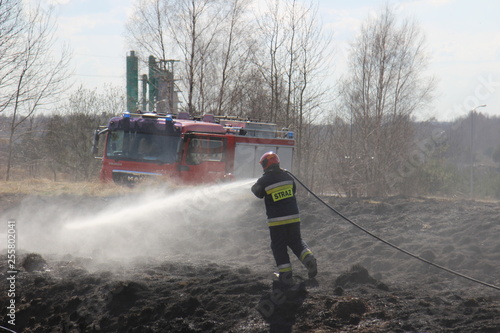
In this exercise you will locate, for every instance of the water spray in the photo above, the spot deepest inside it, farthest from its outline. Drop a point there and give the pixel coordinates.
(153, 203)
(159, 221)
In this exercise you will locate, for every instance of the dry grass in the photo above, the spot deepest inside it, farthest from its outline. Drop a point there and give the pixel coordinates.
(48, 187)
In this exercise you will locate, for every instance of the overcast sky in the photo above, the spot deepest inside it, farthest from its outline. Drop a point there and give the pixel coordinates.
(463, 43)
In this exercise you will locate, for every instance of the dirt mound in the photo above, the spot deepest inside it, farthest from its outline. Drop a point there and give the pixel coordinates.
(34, 262)
(208, 274)
(356, 275)
(350, 309)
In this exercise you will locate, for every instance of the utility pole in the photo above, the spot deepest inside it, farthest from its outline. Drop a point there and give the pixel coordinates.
(471, 180)
(171, 93)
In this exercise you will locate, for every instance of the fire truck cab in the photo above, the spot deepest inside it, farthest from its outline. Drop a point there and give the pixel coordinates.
(188, 150)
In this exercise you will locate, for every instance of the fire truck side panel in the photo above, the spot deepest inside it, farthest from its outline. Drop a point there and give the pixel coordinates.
(248, 154)
(244, 161)
(286, 157)
(205, 172)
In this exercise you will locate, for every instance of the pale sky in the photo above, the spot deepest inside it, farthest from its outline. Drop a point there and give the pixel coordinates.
(463, 44)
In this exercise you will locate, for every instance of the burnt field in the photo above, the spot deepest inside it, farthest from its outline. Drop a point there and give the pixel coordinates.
(198, 260)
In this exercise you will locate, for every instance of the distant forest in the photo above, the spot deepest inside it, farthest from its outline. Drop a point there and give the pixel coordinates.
(58, 147)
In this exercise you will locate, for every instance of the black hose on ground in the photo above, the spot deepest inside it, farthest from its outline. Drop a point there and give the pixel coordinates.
(389, 243)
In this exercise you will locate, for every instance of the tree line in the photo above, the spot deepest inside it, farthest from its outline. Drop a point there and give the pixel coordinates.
(31, 75)
(357, 137)
(58, 147)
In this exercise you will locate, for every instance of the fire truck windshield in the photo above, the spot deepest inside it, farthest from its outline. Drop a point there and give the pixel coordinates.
(143, 147)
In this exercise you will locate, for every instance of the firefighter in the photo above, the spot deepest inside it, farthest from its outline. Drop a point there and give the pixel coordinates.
(278, 188)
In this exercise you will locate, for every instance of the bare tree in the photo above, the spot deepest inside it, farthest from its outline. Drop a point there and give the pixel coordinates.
(148, 28)
(67, 142)
(193, 25)
(310, 93)
(294, 68)
(11, 26)
(384, 89)
(272, 32)
(235, 45)
(205, 34)
(37, 76)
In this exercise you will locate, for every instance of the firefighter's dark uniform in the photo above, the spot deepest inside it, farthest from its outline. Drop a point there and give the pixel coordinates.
(278, 188)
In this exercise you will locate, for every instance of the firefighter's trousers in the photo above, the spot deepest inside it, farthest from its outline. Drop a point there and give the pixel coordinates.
(285, 236)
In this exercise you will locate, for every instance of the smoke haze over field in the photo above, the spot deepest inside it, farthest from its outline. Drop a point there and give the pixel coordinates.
(225, 223)
(155, 222)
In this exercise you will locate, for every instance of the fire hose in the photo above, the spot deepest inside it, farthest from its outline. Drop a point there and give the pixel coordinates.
(389, 243)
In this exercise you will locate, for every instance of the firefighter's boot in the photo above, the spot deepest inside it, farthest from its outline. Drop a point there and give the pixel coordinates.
(311, 264)
(285, 275)
(286, 278)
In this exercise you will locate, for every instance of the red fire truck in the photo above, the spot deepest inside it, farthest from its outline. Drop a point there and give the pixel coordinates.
(188, 150)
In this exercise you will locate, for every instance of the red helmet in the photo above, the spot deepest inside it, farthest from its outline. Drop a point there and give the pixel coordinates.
(269, 159)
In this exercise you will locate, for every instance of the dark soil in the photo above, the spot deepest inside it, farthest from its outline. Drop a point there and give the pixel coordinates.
(210, 273)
